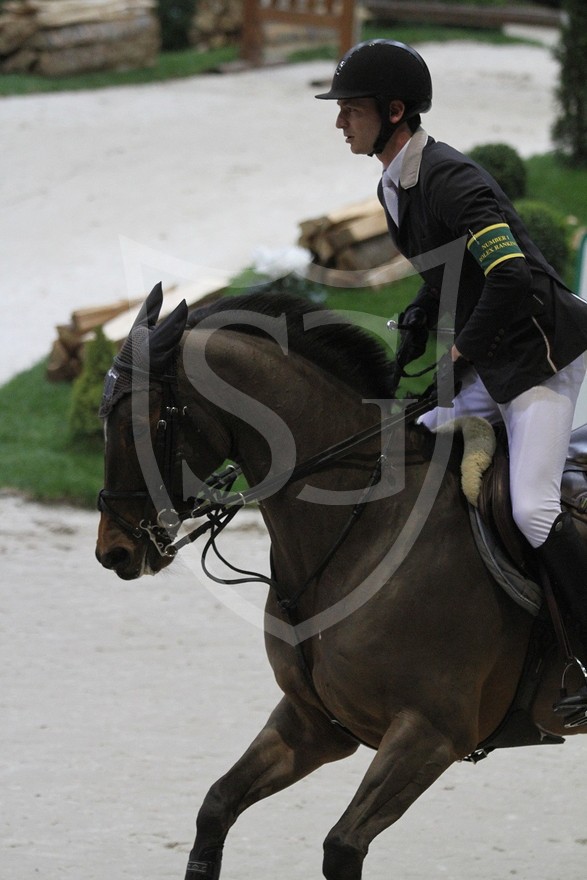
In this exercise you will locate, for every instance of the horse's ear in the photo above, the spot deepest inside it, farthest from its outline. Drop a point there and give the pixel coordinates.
(166, 336)
(153, 304)
(149, 311)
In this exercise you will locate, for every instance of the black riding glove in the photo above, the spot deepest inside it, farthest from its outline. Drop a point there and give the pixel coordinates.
(413, 326)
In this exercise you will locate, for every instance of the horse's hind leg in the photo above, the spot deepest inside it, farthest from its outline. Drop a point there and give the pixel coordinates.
(292, 744)
(411, 756)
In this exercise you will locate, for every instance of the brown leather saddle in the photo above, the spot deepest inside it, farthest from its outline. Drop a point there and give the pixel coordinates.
(495, 501)
(518, 728)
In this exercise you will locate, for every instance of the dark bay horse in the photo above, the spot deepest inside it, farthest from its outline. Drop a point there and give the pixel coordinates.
(383, 625)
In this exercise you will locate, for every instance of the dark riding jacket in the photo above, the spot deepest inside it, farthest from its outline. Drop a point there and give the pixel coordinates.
(514, 318)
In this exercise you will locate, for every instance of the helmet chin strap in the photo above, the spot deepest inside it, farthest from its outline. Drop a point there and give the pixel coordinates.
(388, 128)
(385, 132)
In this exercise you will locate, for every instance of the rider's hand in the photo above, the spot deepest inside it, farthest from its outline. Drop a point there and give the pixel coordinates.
(413, 325)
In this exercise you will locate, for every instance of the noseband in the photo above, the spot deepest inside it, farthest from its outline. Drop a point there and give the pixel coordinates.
(163, 531)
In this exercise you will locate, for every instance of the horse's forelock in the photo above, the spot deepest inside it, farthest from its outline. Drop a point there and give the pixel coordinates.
(133, 356)
(134, 353)
(146, 353)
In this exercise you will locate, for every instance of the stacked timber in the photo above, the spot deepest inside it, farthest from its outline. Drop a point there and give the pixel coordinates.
(66, 358)
(116, 320)
(216, 23)
(354, 239)
(63, 37)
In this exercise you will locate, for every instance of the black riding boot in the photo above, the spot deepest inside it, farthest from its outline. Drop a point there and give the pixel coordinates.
(564, 556)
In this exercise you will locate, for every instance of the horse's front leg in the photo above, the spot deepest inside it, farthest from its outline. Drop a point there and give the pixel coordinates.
(293, 743)
(411, 756)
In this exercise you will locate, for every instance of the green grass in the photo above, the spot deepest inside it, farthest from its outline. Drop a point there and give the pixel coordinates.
(169, 65)
(423, 33)
(562, 187)
(36, 455)
(552, 181)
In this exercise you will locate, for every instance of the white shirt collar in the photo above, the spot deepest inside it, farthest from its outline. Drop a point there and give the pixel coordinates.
(393, 170)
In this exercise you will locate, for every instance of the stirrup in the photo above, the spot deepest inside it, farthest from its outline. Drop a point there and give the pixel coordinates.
(573, 706)
(576, 719)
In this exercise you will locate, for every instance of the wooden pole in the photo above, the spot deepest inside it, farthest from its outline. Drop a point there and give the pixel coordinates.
(349, 30)
(252, 34)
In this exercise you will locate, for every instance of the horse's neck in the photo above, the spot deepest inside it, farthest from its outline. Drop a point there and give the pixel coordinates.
(277, 409)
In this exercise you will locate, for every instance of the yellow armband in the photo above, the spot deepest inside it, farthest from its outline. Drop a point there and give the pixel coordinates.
(493, 245)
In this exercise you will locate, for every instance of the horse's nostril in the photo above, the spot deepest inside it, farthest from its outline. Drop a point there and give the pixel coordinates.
(114, 558)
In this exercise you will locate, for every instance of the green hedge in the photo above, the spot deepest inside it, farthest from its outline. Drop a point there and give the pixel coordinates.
(175, 19)
(86, 394)
(548, 230)
(505, 165)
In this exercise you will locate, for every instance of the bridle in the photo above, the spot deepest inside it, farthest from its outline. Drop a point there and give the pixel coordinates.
(215, 500)
(163, 530)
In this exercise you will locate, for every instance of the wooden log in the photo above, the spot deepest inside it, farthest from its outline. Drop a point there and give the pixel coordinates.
(127, 54)
(59, 13)
(331, 239)
(116, 319)
(322, 250)
(129, 27)
(196, 293)
(355, 231)
(85, 320)
(366, 254)
(18, 62)
(59, 37)
(69, 338)
(61, 366)
(15, 30)
(312, 227)
(18, 7)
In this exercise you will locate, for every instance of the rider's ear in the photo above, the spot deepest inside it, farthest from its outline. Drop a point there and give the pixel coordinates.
(397, 109)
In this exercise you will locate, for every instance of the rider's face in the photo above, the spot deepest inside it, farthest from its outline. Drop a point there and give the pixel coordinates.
(360, 122)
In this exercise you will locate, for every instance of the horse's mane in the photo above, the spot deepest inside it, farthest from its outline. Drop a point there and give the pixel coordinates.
(340, 348)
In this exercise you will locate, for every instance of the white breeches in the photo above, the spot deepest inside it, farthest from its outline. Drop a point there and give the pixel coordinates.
(538, 424)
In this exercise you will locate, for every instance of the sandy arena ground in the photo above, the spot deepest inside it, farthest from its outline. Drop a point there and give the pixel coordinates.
(122, 702)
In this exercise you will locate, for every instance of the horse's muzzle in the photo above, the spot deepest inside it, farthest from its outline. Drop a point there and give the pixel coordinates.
(122, 562)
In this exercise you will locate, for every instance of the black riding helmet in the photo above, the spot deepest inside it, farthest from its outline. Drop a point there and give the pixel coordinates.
(384, 70)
